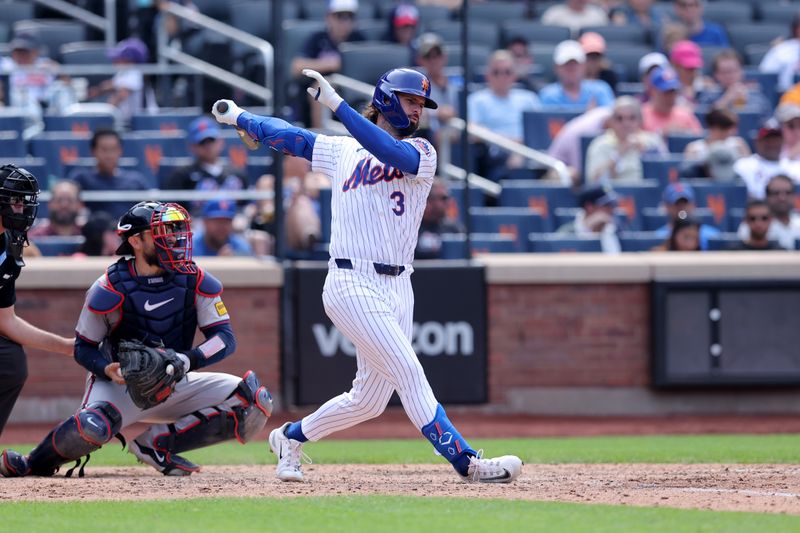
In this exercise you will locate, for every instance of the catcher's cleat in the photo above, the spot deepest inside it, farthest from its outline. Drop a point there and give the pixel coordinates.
(503, 469)
(167, 463)
(290, 455)
(12, 464)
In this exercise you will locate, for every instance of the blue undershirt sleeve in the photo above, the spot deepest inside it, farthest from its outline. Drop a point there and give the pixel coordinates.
(89, 356)
(378, 142)
(278, 134)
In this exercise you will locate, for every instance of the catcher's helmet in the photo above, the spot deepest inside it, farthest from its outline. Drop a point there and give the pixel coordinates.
(400, 80)
(170, 225)
(19, 192)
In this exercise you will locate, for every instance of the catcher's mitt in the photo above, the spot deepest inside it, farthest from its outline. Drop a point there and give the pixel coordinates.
(150, 373)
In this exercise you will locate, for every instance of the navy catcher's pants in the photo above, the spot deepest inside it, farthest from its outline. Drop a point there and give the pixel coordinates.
(13, 373)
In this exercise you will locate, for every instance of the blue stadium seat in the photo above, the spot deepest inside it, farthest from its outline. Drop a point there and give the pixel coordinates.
(654, 218)
(542, 196)
(719, 197)
(53, 33)
(515, 221)
(540, 127)
(89, 163)
(728, 11)
(619, 35)
(722, 242)
(454, 246)
(663, 169)
(777, 12)
(149, 147)
(51, 246)
(493, 243)
(11, 122)
(677, 142)
(768, 81)
(77, 123)
(59, 148)
(497, 12)
(749, 121)
(638, 241)
(257, 166)
(532, 30)
(166, 120)
(628, 57)
(553, 242)
(735, 217)
(633, 198)
(12, 144)
(456, 209)
(743, 34)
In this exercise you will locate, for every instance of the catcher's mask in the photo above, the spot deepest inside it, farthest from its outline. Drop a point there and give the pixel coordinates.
(400, 80)
(19, 191)
(170, 226)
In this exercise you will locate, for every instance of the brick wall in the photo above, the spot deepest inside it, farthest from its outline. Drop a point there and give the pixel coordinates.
(567, 336)
(255, 319)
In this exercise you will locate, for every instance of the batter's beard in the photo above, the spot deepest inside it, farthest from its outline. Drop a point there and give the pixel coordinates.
(409, 130)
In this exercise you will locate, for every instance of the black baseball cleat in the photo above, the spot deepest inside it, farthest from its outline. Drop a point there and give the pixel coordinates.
(167, 463)
(12, 464)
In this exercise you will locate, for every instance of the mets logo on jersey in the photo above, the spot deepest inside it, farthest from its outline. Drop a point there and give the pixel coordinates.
(422, 144)
(367, 174)
(426, 85)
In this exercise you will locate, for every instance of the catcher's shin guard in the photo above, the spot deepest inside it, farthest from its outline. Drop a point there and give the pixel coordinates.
(77, 436)
(241, 416)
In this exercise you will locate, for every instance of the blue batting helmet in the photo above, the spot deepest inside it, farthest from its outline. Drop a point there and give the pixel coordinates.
(400, 80)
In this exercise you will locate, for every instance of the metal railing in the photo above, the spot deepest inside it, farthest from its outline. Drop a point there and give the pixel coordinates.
(107, 24)
(166, 52)
(446, 165)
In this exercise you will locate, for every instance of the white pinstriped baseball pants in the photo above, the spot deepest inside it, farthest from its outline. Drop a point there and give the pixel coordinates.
(376, 312)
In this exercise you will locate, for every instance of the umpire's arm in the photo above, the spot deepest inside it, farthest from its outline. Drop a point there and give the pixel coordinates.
(26, 334)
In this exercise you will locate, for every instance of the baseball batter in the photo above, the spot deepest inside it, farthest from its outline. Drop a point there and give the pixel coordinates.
(159, 297)
(380, 178)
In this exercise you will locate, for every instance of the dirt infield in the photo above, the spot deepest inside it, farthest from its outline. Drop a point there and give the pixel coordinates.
(756, 488)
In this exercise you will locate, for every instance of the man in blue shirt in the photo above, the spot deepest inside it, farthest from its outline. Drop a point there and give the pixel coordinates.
(217, 236)
(679, 197)
(690, 15)
(572, 89)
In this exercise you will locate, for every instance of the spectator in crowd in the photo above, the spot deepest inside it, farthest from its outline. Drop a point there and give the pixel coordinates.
(663, 114)
(690, 17)
(715, 155)
(30, 76)
(99, 236)
(647, 65)
(575, 14)
(64, 211)
(758, 219)
(784, 57)
(518, 47)
(106, 147)
(598, 67)
(566, 146)
(126, 89)
(435, 222)
(217, 236)
(638, 13)
(572, 88)
(403, 21)
(499, 107)
(616, 155)
(208, 172)
(678, 200)
(785, 225)
(596, 217)
(684, 237)
(788, 114)
(731, 91)
(432, 57)
(756, 170)
(687, 61)
(321, 50)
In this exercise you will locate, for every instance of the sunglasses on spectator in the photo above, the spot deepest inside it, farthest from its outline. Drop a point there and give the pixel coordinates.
(626, 117)
(502, 72)
(780, 192)
(757, 218)
(344, 15)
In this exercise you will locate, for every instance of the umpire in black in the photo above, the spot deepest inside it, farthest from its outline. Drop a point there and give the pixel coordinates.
(18, 203)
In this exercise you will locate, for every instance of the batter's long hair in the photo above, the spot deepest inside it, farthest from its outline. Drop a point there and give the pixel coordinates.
(371, 113)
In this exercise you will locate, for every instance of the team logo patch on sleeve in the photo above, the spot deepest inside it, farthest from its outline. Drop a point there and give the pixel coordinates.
(221, 311)
(423, 145)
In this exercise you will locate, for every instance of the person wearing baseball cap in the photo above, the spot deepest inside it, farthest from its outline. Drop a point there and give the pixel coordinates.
(432, 56)
(598, 66)
(217, 237)
(663, 114)
(687, 60)
(788, 114)
(572, 88)
(679, 201)
(126, 88)
(757, 169)
(403, 24)
(596, 217)
(690, 16)
(30, 76)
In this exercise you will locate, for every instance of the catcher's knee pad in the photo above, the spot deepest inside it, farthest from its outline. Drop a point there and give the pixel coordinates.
(79, 435)
(241, 416)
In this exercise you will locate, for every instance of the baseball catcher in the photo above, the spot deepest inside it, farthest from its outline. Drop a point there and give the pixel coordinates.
(135, 336)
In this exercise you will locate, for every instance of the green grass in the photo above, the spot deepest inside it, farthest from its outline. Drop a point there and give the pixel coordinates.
(647, 449)
(374, 513)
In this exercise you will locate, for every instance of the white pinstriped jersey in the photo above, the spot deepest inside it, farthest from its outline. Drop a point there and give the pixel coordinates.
(376, 209)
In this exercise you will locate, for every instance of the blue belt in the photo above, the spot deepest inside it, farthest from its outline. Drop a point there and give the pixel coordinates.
(380, 268)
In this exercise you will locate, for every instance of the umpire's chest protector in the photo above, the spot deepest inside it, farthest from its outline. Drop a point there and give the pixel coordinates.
(155, 309)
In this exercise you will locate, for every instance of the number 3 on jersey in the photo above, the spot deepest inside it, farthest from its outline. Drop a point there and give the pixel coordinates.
(399, 200)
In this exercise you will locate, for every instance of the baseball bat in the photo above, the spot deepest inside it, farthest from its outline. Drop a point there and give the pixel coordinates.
(252, 144)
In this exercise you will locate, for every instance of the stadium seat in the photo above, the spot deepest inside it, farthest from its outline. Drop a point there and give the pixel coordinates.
(632, 198)
(478, 57)
(496, 12)
(754, 53)
(454, 246)
(166, 120)
(10, 122)
(52, 33)
(214, 8)
(616, 36)
(514, 221)
(777, 12)
(743, 34)
(654, 218)
(663, 169)
(768, 81)
(89, 163)
(735, 217)
(540, 127)
(455, 208)
(677, 142)
(429, 14)
(543, 55)
(85, 53)
(718, 197)
(628, 57)
(368, 61)
(493, 243)
(58, 148)
(722, 242)
(483, 33)
(541, 196)
(149, 147)
(255, 18)
(257, 166)
(15, 11)
(553, 242)
(317, 9)
(638, 241)
(52, 246)
(728, 11)
(77, 123)
(533, 31)
(12, 144)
